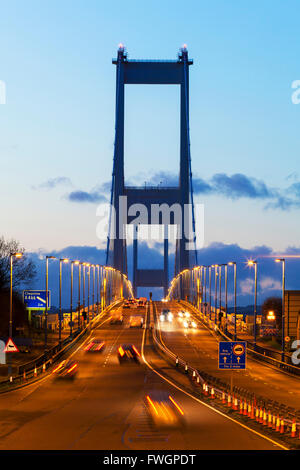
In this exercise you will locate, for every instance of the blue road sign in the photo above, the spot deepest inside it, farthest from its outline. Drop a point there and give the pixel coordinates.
(232, 355)
(36, 299)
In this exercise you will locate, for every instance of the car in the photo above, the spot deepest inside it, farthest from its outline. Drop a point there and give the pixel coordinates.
(163, 410)
(128, 353)
(66, 370)
(116, 320)
(95, 345)
(166, 315)
(126, 304)
(189, 324)
(136, 321)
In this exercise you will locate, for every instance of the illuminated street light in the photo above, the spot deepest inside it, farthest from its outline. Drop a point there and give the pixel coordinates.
(271, 316)
(62, 260)
(233, 263)
(254, 263)
(71, 297)
(46, 306)
(12, 256)
(282, 261)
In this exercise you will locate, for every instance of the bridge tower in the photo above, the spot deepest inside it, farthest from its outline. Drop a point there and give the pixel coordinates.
(151, 72)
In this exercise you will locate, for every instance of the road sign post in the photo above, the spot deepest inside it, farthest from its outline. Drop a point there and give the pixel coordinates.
(232, 355)
(36, 299)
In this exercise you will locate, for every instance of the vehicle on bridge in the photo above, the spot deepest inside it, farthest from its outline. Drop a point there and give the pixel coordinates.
(66, 370)
(166, 315)
(142, 302)
(95, 345)
(189, 324)
(136, 321)
(128, 353)
(163, 410)
(116, 320)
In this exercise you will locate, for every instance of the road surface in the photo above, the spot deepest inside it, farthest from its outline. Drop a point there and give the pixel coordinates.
(104, 407)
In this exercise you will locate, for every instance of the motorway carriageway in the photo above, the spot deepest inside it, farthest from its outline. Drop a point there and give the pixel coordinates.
(199, 347)
(104, 407)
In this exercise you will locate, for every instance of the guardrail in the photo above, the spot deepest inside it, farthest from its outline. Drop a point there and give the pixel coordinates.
(272, 415)
(34, 369)
(260, 353)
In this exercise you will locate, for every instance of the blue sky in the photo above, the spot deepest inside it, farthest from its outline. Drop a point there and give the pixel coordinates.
(58, 121)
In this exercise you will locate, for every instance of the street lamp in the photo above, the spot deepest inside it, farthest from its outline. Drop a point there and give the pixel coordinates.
(98, 267)
(215, 266)
(233, 263)
(10, 332)
(93, 297)
(89, 276)
(71, 297)
(62, 260)
(46, 306)
(282, 261)
(254, 263)
(209, 275)
(79, 293)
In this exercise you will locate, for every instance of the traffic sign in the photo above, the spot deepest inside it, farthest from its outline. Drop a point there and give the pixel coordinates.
(232, 355)
(36, 299)
(10, 346)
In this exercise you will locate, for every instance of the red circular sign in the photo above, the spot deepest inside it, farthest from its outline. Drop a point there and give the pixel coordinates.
(238, 349)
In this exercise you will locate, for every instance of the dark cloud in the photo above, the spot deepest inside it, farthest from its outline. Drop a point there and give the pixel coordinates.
(53, 182)
(84, 196)
(239, 185)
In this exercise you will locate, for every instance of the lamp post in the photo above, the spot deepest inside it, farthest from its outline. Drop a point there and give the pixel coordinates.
(79, 293)
(254, 263)
(226, 296)
(205, 305)
(282, 261)
(233, 263)
(83, 292)
(89, 278)
(62, 260)
(216, 289)
(10, 327)
(93, 297)
(98, 267)
(46, 306)
(209, 275)
(71, 297)
(220, 294)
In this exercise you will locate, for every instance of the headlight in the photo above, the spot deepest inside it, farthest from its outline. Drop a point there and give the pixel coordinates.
(162, 318)
(185, 324)
(180, 314)
(170, 316)
(187, 314)
(194, 325)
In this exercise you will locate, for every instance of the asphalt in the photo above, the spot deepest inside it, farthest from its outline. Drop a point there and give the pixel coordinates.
(199, 347)
(103, 408)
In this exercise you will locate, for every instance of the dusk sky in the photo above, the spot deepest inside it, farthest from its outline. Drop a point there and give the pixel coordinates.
(57, 126)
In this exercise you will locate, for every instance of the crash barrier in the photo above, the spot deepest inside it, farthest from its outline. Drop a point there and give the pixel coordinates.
(270, 414)
(260, 353)
(41, 364)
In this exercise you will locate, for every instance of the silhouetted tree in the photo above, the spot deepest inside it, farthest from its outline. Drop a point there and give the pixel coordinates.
(273, 304)
(24, 270)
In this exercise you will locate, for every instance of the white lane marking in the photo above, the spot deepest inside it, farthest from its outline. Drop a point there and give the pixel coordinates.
(203, 403)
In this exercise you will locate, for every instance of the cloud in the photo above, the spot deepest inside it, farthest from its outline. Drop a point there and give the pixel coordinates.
(85, 196)
(53, 182)
(239, 185)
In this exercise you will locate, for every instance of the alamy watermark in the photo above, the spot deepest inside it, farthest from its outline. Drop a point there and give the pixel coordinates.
(174, 218)
(2, 92)
(296, 94)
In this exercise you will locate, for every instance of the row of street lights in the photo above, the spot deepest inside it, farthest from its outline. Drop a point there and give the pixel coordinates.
(104, 272)
(218, 274)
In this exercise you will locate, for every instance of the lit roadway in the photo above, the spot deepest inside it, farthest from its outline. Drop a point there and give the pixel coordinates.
(199, 347)
(104, 407)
